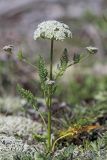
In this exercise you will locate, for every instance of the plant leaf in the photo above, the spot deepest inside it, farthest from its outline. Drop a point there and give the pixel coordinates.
(20, 55)
(43, 73)
(64, 59)
(28, 96)
(76, 58)
(40, 138)
(73, 131)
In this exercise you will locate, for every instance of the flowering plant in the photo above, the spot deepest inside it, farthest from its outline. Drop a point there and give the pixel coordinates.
(54, 31)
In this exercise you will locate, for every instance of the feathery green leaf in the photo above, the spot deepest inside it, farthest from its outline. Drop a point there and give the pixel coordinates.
(64, 59)
(43, 73)
(28, 96)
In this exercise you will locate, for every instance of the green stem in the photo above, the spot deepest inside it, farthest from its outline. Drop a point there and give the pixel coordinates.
(81, 60)
(49, 101)
(41, 116)
(43, 120)
(27, 61)
(51, 59)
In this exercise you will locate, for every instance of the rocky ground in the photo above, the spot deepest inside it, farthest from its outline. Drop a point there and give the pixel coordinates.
(19, 123)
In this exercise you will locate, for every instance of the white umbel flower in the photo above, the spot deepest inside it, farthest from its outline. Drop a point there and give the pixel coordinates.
(52, 30)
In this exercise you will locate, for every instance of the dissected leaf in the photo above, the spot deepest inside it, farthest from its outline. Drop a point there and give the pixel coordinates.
(28, 96)
(64, 59)
(40, 138)
(76, 58)
(43, 73)
(63, 64)
(20, 55)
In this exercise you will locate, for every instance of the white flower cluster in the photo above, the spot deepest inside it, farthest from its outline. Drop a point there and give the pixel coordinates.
(52, 30)
(10, 147)
(20, 126)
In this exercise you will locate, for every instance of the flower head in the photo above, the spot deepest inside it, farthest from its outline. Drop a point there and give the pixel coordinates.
(92, 50)
(8, 48)
(52, 30)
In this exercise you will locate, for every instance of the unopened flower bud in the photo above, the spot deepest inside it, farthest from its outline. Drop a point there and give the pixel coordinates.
(92, 50)
(8, 48)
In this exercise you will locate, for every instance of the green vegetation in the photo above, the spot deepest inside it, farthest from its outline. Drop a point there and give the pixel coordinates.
(83, 88)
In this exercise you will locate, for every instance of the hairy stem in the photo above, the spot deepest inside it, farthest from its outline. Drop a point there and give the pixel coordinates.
(49, 101)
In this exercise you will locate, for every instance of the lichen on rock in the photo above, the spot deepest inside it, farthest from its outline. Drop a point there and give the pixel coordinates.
(11, 105)
(19, 126)
(10, 147)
